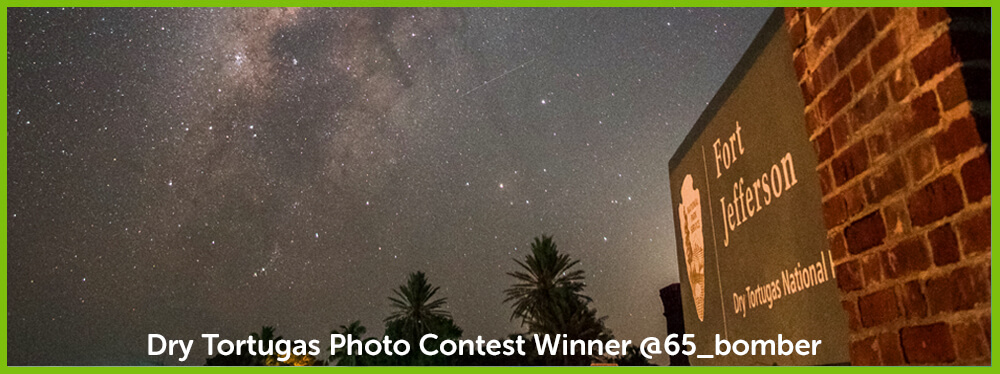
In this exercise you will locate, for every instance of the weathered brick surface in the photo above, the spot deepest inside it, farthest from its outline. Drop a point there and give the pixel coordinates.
(857, 39)
(960, 136)
(971, 339)
(934, 59)
(878, 308)
(936, 200)
(976, 233)
(905, 258)
(836, 98)
(885, 182)
(871, 266)
(824, 145)
(849, 276)
(861, 75)
(914, 303)
(976, 178)
(927, 344)
(944, 244)
(889, 349)
(920, 161)
(960, 290)
(865, 233)
(904, 173)
(927, 17)
(884, 51)
(865, 352)
(952, 91)
(850, 163)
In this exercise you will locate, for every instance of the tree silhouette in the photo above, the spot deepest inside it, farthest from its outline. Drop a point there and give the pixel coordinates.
(549, 297)
(546, 282)
(414, 309)
(356, 331)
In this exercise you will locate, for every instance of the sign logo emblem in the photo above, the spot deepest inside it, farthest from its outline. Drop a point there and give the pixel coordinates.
(694, 242)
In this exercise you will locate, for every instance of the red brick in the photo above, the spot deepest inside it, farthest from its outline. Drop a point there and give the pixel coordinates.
(927, 344)
(825, 74)
(933, 59)
(849, 276)
(853, 321)
(936, 200)
(960, 136)
(854, 41)
(797, 33)
(801, 64)
(922, 114)
(975, 233)
(897, 219)
(962, 289)
(854, 200)
(841, 132)
(888, 346)
(834, 211)
(951, 90)
(825, 180)
(838, 247)
(970, 340)
(920, 161)
(976, 178)
(813, 121)
(878, 308)
(869, 107)
(836, 98)
(901, 82)
(823, 145)
(885, 182)
(844, 16)
(882, 16)
(944, 245)
(877, 145)
(925, 111)
(871, 267)
(867, 232)
(928, 17)
(884, 51)
(824, 34)
(913, 300)
(851, 162)
(814, 14)
(861, 74)
(906, 257)
(865, 352)
(808, 94)
(987, 327)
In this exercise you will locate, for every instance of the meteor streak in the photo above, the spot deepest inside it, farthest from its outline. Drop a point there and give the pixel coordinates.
(495, 78)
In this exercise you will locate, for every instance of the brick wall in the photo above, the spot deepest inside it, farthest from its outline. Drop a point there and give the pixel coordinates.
(897, 107)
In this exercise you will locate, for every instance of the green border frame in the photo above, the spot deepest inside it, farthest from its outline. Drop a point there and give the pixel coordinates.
(475, 3)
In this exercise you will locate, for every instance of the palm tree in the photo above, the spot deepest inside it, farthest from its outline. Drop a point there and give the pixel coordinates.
(547, 285)
(356, 331)
(549, 298)
(415, 310)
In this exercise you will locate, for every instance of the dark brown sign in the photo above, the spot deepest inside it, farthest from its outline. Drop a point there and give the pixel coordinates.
(752, 249)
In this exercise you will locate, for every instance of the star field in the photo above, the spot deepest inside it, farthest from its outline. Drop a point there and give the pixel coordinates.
(190, 171)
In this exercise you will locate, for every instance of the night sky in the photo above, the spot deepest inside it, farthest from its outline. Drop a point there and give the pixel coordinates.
(190, 171)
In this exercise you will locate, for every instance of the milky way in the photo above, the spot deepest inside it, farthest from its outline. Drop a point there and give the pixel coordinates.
(188, 171)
